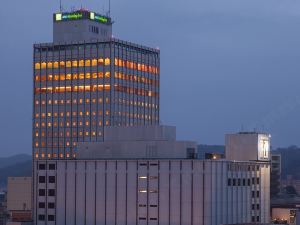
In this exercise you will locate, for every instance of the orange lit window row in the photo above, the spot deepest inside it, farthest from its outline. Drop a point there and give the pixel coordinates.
(74, 76)
(137, 91)
(81, 88)
(137, 103)
(136, 79)
(73, 63)
(54, 155)
(135, 115)
(68, 114)
(61, 134)
(68, 101)
(136, 66)
(70, 124)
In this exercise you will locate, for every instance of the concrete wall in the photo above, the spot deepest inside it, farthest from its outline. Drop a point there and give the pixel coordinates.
(79, 30)
(247, 146)
(19, 193)
(150, 192)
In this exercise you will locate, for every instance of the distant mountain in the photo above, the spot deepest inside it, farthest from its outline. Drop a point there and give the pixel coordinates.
(15, 166)
(12, 160)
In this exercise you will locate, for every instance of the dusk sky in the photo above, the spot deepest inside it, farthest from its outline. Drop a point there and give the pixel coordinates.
(226, 65)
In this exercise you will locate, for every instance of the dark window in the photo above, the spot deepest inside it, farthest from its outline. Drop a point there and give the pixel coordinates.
(51, 205)
(51, 166)
(253, 219)
(42, 179)
(51, 179)
(233, 182)
(253, 180)
(244, 182)
(142, 205)
(253, 207)
(42, 166)
(51, 192)
(257, 219)
(153, 218)
(253, 194)
(257, 206)
(41, 205)
(229, 182)
(42, 192)
(142, 218)
(42, 217)
(153, 206)
(239, 182)
(257, 180)
(249, 182)
(257, 194)
(50, 217)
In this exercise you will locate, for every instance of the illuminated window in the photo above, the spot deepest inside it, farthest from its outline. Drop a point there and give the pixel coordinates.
(100, 62)
(81, 76)
(86, 133)
(68, 76)
(81, 63)
(143, 191)
(94, 62)
(55, 65)
(87, 62)
(142, 177)
(68, 64)
(37, 66)
(74, 63)
(36, 155)
(44, 65)
(61, 155)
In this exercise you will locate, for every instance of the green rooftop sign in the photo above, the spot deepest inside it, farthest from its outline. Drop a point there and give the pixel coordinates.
(79, 15)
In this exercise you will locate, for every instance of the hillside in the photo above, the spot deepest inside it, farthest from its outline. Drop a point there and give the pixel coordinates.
(14, 166)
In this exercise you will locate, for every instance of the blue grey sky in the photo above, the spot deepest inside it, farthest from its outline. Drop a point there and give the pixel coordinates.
(226, 65)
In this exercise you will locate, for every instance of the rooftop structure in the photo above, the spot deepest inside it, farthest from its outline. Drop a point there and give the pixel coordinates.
(248, 146)
(81, 25)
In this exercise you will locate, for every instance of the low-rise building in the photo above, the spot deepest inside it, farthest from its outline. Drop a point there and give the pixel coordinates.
(19, 199)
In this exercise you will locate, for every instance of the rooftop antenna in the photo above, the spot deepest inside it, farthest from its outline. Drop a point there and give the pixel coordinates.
(109, 8)
(60, 6)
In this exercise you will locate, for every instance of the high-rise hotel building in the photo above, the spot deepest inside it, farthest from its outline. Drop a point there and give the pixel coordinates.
(100, 155)
(86, 80)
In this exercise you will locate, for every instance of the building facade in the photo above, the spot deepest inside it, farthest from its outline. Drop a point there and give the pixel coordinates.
(142, 175)
(81, 87)
(275, 174)
(19, 199)
(150, 191)
(100, 156)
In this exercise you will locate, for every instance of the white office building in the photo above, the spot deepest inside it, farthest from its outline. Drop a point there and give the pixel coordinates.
(142, 175)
